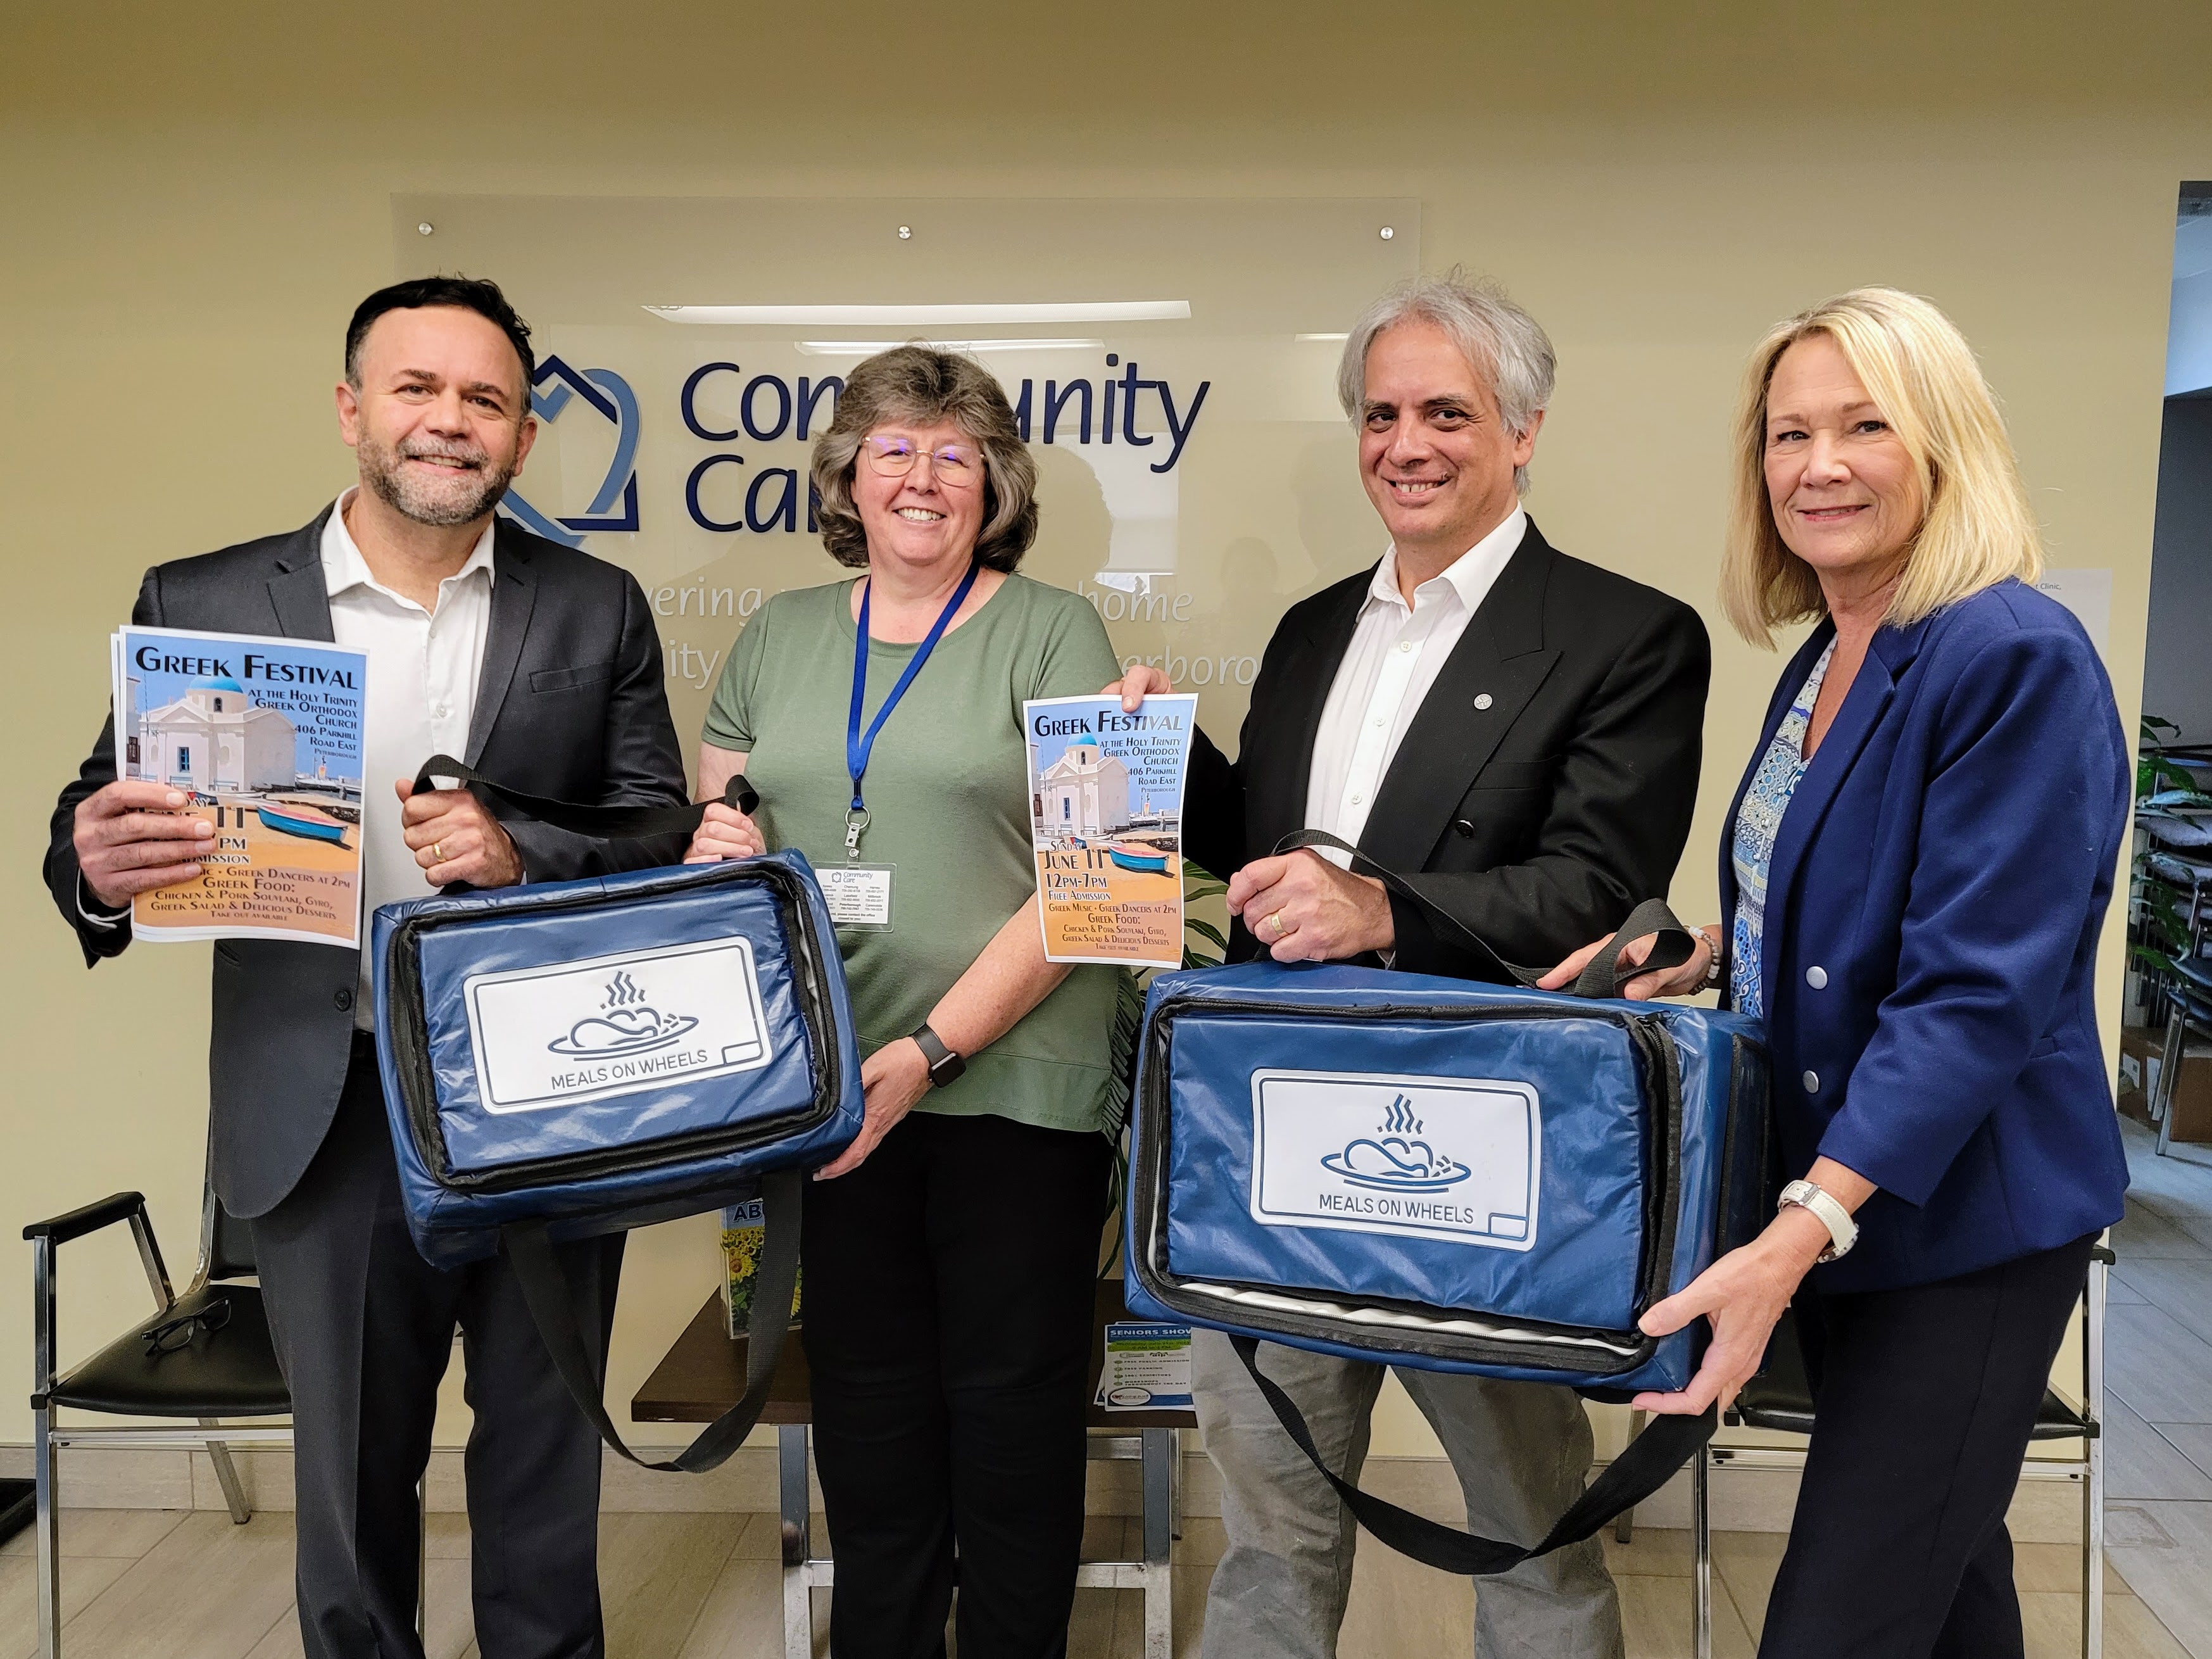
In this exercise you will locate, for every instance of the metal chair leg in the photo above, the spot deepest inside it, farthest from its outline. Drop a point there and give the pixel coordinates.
(2092, 1485)
(45, 1496)
(1160, 1456)
(49, 1542)
(2169, 1071)
(1175, 1487)
(226, 1476)
(1701, 1565)
(795, 1501)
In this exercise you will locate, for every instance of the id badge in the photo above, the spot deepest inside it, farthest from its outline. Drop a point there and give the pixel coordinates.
(859, 895)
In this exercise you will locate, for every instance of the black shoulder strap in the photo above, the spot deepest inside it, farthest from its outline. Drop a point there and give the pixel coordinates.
(1600, 977)
(1667, 1442)
(615, 823)
(1670, 1439)
(551, 1301)
(545, 1289)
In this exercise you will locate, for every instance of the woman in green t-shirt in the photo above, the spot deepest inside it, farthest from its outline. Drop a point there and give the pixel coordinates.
(950, 1253)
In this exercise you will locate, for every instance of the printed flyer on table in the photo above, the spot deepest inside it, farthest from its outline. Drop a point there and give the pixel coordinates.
(1147, 1368)
(264, 739)
(1106, 810)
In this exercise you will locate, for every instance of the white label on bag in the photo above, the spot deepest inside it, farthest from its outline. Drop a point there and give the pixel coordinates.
(583, 1030)
(1455, 1159)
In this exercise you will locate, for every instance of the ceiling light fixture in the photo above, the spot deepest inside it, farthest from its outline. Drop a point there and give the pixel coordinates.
(937, 316)
(869, 347)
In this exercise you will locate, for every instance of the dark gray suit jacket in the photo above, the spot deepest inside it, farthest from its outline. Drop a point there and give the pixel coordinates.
(570, 705)
(1544, 788)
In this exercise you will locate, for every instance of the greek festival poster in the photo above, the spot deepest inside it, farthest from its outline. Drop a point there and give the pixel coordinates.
(1106, 812)
(263, 739)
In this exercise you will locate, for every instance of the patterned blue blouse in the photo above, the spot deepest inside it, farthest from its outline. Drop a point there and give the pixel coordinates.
(1757, 821)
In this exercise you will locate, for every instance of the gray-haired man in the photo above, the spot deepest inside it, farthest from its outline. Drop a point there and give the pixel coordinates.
(1516, 733)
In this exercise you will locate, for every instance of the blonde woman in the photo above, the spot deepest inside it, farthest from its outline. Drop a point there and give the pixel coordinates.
(1913, 877)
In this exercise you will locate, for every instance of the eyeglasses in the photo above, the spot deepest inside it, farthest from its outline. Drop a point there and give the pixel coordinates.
(954, 463)
(172, 1335)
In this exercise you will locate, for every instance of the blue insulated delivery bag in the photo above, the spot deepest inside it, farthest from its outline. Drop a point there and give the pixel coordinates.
(582, 1057)
(1449, 1175)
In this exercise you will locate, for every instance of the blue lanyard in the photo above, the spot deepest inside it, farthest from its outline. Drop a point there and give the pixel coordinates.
(857, 745)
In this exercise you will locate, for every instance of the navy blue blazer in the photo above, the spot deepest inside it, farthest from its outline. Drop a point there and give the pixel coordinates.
(1937, 889)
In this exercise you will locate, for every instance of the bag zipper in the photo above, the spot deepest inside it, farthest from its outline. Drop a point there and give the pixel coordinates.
(1746, 1059)
(410, 1044)
(1405, 1327)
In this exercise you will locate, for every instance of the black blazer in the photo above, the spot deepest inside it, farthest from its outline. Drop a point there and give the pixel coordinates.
(1540, 818)
(570, 706)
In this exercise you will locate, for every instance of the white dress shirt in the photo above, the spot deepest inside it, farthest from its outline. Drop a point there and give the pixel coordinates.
(1394, 657)
(423, 670)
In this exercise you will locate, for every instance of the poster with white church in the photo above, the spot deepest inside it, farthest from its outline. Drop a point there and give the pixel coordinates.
(1106, 810)
(263, 739)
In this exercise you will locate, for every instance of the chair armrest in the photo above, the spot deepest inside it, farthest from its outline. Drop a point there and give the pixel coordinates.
(119, 1207)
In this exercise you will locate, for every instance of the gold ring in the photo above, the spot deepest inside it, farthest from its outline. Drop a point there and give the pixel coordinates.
(1281, 932)
(437, 851)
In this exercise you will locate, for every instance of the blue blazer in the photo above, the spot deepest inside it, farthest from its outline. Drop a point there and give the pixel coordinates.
(1933, 900)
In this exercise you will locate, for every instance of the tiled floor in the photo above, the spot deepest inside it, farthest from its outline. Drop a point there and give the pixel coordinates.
(156, 1584)
(174, 1584)
(2157, 1385)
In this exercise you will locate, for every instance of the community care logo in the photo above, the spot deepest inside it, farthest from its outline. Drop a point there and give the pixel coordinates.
(573, 1032)
(608, 396)
(1457, 1158)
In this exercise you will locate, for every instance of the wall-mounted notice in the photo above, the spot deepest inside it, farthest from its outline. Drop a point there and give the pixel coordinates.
(2088, 595)
(1106, 813)
(262, 738)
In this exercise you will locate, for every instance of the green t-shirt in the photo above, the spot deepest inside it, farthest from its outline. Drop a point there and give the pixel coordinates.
(948, 799)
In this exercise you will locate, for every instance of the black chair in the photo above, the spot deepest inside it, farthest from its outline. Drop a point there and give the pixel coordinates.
(2189, 1011)
(2167, 872)
(1781, 1398)
(203, 1356)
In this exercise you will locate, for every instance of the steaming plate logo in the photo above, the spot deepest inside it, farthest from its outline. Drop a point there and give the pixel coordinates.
(623, 1024)
(1445, 1157)
(1393, 1162)
(628, 1026)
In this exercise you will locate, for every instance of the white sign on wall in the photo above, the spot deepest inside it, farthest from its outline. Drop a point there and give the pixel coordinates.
(2088, 595)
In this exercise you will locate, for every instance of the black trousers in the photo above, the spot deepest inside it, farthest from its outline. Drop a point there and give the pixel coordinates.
(948, 1319)
(1925, 1398)
(364, 1329)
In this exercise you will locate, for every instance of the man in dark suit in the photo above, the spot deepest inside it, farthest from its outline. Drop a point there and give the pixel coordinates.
(1517, 734)
(539, 666)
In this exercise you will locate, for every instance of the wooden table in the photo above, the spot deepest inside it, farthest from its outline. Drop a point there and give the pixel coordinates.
(703, 1375)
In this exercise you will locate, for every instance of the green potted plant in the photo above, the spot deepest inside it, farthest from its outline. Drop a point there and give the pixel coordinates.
(2158, 915)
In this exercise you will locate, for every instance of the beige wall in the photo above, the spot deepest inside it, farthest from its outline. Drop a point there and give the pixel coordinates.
(193, 199)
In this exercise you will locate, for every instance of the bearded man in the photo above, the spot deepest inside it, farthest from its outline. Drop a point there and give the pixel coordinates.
(540, 665)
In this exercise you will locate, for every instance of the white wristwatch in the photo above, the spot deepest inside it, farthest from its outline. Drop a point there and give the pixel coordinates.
(1843, 1231)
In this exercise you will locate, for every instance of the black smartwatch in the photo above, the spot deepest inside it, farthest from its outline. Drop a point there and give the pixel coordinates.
(944, 1065)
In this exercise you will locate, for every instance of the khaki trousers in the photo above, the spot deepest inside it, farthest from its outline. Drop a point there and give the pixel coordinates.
(1522, 1451)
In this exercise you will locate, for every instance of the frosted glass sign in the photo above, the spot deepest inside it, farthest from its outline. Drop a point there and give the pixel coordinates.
(1171, 363)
